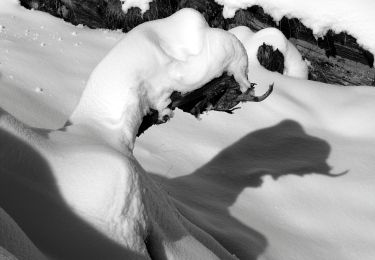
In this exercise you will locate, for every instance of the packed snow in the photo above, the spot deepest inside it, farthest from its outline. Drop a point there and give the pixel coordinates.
(288, 178)
(180, 53)
(353, 16)
(294, 65)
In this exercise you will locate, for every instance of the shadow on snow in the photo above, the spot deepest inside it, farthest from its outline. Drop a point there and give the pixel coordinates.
(211, 190)
(28, 193)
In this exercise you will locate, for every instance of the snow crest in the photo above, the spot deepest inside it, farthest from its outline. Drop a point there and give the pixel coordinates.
(180, 53)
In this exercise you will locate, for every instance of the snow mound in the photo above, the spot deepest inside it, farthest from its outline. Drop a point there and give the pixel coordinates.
(294, 65)
(179, 53)
(352, 16)
(85, 179)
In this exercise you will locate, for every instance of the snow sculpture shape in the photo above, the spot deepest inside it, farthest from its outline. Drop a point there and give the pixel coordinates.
(294, 65)
(179, 53)
(91, 160)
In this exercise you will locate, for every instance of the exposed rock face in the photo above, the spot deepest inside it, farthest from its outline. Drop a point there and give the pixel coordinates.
(271, 59)
(335, 58)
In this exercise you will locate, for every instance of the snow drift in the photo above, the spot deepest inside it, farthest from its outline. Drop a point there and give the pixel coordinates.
(90, 160)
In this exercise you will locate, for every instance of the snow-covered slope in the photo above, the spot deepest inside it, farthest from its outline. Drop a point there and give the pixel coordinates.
(288, 178)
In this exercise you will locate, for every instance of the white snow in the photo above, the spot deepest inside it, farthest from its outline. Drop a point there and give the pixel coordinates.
(88, 170)
(259, 182)
(144, 5)
(179, 53)
(294, 65)
(352, 16)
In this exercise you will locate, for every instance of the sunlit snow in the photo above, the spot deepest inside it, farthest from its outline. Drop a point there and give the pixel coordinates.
(288, 178)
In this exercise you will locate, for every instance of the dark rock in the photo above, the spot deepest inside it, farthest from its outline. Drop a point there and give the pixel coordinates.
(272, 60)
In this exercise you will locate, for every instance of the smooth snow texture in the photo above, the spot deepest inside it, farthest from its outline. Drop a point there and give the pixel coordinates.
(179, 53)
(258, 181)
(294, 65)
(144, 5)
(353, 16)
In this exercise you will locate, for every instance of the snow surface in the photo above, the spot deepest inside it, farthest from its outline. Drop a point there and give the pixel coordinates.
(294, 65)
(352, 16)
(261, 182)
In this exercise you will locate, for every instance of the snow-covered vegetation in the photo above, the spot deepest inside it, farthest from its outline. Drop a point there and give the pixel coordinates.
(288, 178)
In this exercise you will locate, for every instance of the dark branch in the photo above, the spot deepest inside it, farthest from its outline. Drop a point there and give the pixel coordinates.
(220, 94)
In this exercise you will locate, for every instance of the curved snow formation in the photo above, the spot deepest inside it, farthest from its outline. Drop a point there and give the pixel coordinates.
(352, 16)
(91, 161)
(178, 53)
(294, 65)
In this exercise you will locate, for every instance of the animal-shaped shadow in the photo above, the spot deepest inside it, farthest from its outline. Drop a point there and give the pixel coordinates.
(28, 193)
(211, 190)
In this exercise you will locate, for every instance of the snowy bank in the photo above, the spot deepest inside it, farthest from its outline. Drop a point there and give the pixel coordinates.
(353, 17)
